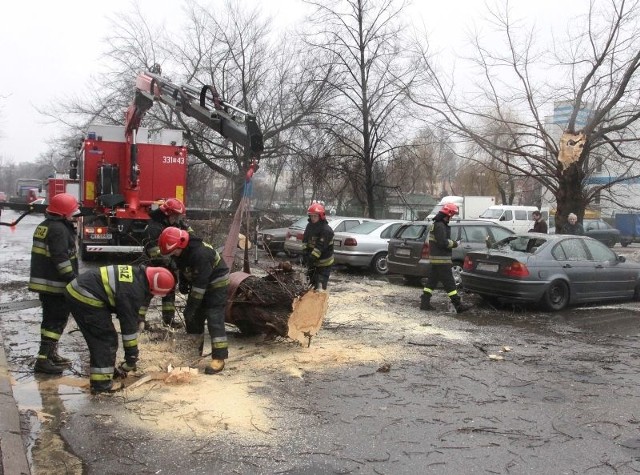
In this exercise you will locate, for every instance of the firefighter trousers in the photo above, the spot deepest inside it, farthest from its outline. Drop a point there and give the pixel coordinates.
(96, 325)
(441, 273)
(55, 315)
(211, 311)
(318, 276)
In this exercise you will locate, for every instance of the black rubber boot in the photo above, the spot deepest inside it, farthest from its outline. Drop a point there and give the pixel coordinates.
(44, 364)
(425, 302)
(57, 359)
(459, 306)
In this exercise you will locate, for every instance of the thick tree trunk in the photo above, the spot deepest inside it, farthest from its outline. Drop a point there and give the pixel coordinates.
(264, 305)
(570, 198)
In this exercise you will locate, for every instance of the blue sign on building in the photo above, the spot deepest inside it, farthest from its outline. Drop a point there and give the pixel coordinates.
(562, 112)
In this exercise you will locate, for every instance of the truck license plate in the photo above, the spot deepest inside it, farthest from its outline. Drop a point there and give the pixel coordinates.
(100, 236)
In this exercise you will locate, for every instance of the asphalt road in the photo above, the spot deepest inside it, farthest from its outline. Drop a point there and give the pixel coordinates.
(564, 398)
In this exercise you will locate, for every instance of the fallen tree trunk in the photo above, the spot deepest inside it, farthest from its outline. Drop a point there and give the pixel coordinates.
(266, 305)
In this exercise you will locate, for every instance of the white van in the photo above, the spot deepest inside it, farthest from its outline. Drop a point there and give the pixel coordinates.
(517, 218)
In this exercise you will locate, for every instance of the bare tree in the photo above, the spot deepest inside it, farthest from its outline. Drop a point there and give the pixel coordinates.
(363, 41)
(230, 48)
(594, 71)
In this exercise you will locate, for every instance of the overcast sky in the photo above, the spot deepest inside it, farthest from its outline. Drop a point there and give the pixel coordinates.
(49, 50)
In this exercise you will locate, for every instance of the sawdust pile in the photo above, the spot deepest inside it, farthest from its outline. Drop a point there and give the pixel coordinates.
(360, 328)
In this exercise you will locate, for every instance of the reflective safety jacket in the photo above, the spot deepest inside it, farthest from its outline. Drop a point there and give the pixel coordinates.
(121, 289)
(440, 243)
(53, 256)
(317, 242)
(157, 224)
(201, 265)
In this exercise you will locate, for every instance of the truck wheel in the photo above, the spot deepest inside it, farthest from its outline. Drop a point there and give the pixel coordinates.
(625, 243)
(379, 263)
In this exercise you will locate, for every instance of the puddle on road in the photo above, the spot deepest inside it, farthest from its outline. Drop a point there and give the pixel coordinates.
(43, 403)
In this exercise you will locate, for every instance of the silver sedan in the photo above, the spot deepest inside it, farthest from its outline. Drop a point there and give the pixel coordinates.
(366, 245)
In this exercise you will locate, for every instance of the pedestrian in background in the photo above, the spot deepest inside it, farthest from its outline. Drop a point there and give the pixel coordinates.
(539, 225)
(572, 226)
(317, 244)
(440, 247)
(53, 265)
(98, 293)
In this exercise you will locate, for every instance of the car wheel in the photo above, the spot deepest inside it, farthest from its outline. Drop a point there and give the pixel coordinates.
(379, 263)
(611, 242)
(557, 296)
(456, 270)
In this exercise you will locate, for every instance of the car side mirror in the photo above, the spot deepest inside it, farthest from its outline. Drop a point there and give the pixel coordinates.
(622, 259)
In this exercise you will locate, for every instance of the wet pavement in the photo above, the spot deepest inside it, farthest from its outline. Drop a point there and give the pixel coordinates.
(517, 391)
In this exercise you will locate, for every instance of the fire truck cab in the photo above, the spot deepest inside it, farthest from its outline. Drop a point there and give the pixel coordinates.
(119, 223)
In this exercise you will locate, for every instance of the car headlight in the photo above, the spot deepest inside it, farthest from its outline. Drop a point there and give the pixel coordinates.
(267, 237)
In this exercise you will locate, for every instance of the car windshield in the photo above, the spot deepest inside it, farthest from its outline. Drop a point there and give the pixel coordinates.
(520, 243)
(301, 223)
(365, 228)
(491, 213)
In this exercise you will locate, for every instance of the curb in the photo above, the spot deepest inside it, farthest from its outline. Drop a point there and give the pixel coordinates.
(13, 453)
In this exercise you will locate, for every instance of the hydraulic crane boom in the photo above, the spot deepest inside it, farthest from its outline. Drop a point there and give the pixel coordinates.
(211, 111)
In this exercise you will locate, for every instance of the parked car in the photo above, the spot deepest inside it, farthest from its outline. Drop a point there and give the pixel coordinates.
(366, 244)
(552, 270)
(409, 247)
(597, 229)
(293, 243)
(602, 231)
(272, 240)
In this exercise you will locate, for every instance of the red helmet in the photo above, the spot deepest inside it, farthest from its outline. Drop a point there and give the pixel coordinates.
(172, 238)
(449, 209)
(317, 208)
(173, 206)
(161, 281)
(63, 204)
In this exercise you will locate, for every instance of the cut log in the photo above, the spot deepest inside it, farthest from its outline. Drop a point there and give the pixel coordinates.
(266, 305)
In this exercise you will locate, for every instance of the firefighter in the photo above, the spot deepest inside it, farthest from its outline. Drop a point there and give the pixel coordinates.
(96, 294)
(201, 266)
(317, 243)
(53, 265)
(440, 246)
(169, 213)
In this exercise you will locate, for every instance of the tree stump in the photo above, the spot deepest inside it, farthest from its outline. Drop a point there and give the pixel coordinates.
(260, 305)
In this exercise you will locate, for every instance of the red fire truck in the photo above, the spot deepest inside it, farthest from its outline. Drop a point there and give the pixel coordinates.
(124, 171)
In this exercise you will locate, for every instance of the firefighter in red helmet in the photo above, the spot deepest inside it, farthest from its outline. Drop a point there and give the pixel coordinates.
(170, 213)
(317, 243)
(202, 267)
(440, 246)
(98, 293)
(53, 265)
